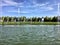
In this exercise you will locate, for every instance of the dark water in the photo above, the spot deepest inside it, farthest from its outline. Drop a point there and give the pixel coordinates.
(30, 35)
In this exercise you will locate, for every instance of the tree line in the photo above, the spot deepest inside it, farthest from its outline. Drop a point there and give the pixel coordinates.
(32, 19)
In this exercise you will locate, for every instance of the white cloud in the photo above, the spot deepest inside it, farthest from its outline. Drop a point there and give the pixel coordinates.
(49, 8)
(16, 11)
(25, 12)
(7, 3)
(43, 4)
(12, 11)
(10, 2)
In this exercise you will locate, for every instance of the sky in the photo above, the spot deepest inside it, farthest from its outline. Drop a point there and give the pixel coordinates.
(29, 8)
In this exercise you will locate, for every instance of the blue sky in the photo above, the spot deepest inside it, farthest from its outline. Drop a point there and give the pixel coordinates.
(29, 8)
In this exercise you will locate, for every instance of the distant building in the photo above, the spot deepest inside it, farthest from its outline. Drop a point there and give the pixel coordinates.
(58, 18)
(42, 19)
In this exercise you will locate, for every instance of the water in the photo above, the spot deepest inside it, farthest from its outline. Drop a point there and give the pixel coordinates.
(30, 35)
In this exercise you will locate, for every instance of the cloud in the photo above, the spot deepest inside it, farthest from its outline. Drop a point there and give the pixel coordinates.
(7, 3)
(42, 4)
(42, 7)
(50, 8)
(10, 2)
(31, 6)
(47, 8)
(16, 11)
(25, 12)
(12, 11)
(22, 4)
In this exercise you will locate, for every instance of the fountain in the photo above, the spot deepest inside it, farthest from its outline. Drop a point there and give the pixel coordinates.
(58, 32)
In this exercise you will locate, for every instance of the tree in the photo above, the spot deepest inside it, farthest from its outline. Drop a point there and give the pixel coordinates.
(10, 19)
(46, 19)
(54, 19)
(7, 19)
(24, 18)
(39, 19)
(4, 19)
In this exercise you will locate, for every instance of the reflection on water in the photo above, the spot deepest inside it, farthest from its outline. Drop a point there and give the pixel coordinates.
(30, 35)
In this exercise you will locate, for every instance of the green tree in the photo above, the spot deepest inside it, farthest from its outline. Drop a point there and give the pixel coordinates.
(54, 19)
(46, 19)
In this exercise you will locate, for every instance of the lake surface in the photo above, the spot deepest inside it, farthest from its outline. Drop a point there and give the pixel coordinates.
(30, 35)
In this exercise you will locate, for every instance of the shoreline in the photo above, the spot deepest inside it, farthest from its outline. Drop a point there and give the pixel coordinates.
(29, 23)
(26, 25)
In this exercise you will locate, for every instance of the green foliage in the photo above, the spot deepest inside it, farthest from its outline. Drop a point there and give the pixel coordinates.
(29, 23)
(32, 19)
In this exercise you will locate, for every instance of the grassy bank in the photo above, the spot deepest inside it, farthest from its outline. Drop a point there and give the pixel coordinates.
(29, 23)
(0, 23)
